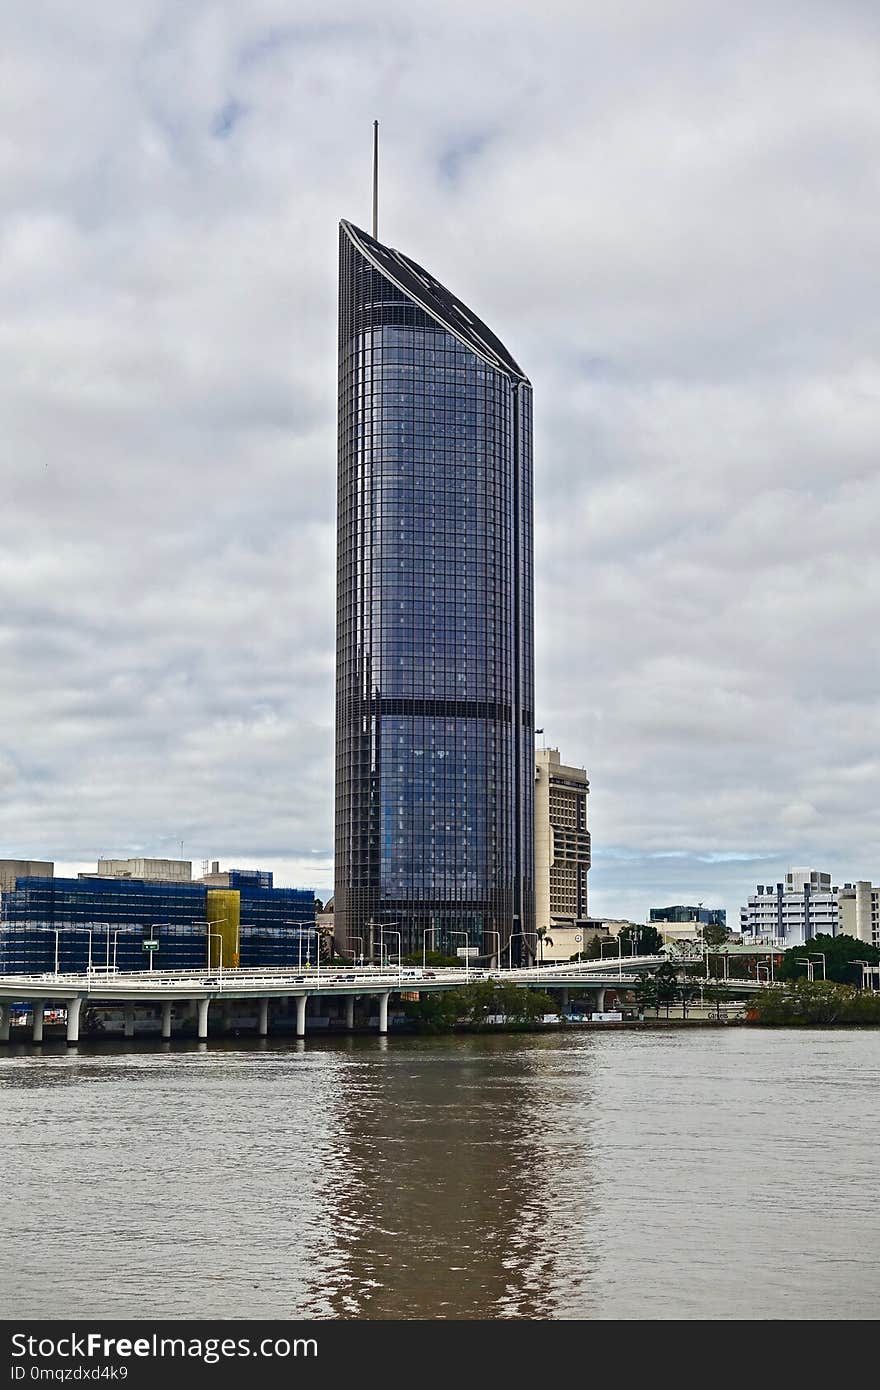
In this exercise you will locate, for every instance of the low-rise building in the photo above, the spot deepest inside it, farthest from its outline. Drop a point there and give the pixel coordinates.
(126, 923)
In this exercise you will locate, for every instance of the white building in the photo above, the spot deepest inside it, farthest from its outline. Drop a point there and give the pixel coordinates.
(791, 913)
(859, 905)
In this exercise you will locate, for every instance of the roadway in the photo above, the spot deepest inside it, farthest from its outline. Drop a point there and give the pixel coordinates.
(202, 987)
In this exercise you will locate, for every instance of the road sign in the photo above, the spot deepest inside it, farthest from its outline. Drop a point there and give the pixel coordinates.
(150, 945)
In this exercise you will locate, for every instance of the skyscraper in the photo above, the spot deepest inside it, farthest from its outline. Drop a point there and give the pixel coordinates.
(434, 636)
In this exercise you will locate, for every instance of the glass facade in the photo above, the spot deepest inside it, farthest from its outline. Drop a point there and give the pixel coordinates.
(434, 712)
(113, 917)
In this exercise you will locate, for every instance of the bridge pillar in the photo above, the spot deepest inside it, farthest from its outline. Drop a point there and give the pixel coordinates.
(203, 1006)
(128, 1021)
(600, 1000)
(166, 1019)
(39, 1008)
(5, 1015)
(301, 1015)
(73, 1011)
(563, 1001)
(349, 1011)
(383, 1011)
(263, 1018)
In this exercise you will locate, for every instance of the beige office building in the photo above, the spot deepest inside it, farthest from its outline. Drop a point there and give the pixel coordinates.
(562, 842)
(859, 908)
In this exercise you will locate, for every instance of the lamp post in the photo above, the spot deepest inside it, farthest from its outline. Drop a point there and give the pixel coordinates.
(490, 931)
(510, 942)
(759, 966)
(603, 944)
(467, 959)
(804, 960)
(360, 941)
(390, 931)
(428, 931)
(863, 964)
(57, 949)
(216, 936)
(819, 955)
(151, 950)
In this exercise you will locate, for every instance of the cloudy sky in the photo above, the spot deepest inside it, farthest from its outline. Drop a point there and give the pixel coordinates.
(668, 209)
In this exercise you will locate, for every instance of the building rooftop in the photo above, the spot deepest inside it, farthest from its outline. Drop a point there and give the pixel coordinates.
(435, 299)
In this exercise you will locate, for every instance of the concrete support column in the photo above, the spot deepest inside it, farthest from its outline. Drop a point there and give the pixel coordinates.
(73, 1011)
(600, 1001)
(166, 1019)
(5, 1015)
(128, 1021)
(349, 1011)
(301, 1015)
(263, 1020)
(203, 1005)
(563, 1001)
(383, 1011)
(39, 1008)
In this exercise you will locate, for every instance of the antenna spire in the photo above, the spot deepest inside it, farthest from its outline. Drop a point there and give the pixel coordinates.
(375, 180)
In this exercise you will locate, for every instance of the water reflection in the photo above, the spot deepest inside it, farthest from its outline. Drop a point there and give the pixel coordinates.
(454, 1161)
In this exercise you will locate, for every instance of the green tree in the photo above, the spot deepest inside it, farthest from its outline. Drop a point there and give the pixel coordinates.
(714, 935)
(434, 960)
(666, 981)
(594, 949)
(839, 952)
(543, 936)
(688, 991)
(816, 1002)
(641, 941)
(647, 996)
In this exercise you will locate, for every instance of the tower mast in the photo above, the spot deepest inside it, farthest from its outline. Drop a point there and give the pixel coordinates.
(375, 180)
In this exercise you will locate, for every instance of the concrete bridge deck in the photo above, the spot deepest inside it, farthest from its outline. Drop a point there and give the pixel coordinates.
(202, 987)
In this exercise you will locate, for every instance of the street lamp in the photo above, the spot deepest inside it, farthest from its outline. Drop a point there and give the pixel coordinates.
(216, 936)
(354, 954)
(428, 931)
(804, 960)
(819, 955)
(467, 959)
(389, 931)
(490, 931)
(57, 948)
(152, 937)
(759, 966)
(510, 942)
(864, 965)
(617, 940)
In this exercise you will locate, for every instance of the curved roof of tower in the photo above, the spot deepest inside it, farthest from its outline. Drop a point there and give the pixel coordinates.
(420, 285)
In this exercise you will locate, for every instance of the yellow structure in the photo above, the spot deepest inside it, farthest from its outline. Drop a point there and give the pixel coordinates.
(224, 923)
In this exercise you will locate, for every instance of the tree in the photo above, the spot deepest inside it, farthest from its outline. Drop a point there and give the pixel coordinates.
(688, 990)
(542, 937)
(641, 941)
(714, 935)
(646, 994)
(839, 953)
(594, 949)
(666, 981)
(714, 994)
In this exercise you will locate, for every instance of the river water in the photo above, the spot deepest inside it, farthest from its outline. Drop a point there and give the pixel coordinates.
(723, 1173)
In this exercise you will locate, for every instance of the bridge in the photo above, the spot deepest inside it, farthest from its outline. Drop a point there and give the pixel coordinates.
(201, 988)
